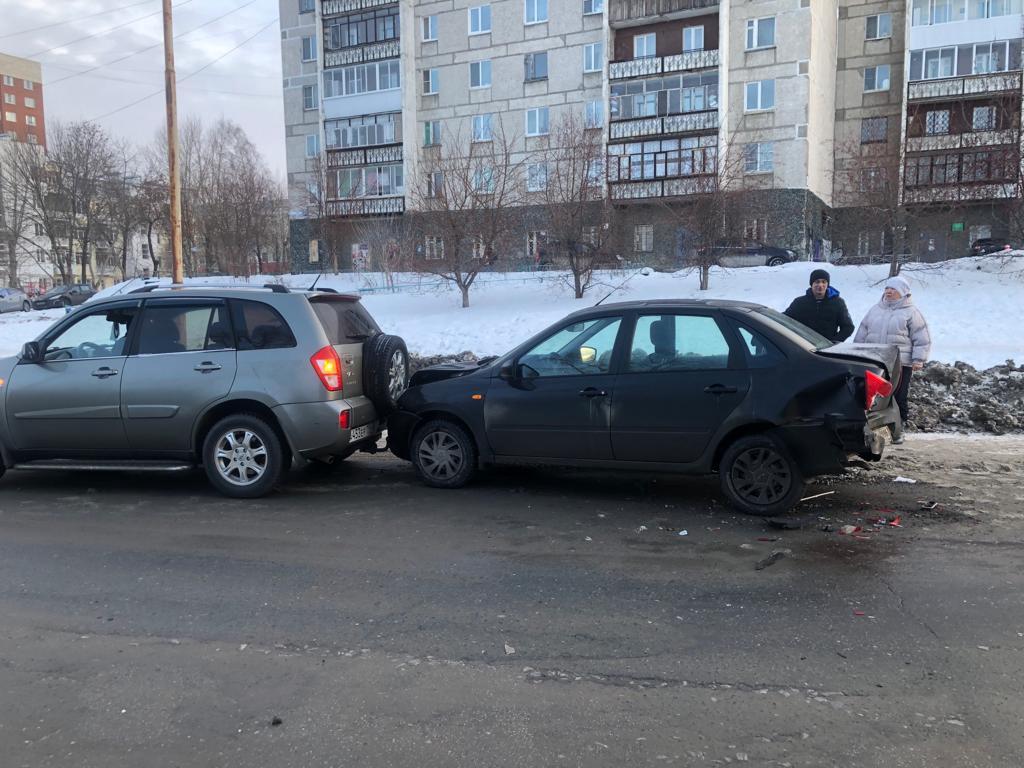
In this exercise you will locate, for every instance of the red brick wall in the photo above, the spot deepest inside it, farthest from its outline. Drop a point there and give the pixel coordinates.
(22, 112)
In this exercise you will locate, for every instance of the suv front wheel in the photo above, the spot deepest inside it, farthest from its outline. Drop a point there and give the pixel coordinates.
(243, 456)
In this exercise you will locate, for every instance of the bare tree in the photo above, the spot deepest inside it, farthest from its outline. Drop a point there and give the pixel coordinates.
(16, 213)
(576, 212)
(121, 201)
(383, 235)
(467, 201)
(321, 182)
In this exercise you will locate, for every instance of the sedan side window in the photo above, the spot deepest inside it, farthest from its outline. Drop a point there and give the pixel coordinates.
(100, 334)
(183, 329)
(678, 343)
(581, 349)
(760, 352)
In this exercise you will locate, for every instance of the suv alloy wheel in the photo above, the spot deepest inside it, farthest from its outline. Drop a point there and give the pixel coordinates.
(243, 456)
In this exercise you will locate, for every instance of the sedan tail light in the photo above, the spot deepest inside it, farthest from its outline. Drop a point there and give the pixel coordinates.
(875, 387)
(327, 365)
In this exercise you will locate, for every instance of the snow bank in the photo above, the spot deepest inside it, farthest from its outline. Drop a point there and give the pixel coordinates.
(973, 305)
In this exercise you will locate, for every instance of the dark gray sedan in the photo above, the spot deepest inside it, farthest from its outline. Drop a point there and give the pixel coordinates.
(64, 296)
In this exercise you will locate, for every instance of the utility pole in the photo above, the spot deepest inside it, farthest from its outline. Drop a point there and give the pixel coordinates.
(170, 87)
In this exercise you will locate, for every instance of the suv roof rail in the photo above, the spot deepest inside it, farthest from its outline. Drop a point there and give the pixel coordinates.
(277, 287)
(273, 287)
(145, 288)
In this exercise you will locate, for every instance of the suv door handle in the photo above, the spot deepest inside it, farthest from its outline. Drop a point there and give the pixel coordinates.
(207, 367)
(592, 392)
(720, 389)
(104, 372)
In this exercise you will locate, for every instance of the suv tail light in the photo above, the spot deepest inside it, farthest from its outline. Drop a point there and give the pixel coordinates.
(875, 387)
(327, 365)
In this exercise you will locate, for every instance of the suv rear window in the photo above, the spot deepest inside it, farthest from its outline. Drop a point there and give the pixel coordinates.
(344, 322)
(259, 326)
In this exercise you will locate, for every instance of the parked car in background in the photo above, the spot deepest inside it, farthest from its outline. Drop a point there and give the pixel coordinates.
(64, 296)
(748, 253)
(14, 300)
(986, 245)
(237, 380)
(695, 387)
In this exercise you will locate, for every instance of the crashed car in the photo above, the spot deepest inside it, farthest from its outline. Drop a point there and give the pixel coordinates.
(695, 387)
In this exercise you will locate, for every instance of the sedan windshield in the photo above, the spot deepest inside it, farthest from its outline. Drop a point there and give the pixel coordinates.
(807, 334)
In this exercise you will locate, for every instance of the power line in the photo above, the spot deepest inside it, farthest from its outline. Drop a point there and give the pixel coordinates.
(103, 32)
(70, 21)
(155, 45)
(190, 88)
(190, 75)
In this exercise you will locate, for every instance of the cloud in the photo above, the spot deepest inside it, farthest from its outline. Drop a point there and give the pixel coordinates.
(245, 86)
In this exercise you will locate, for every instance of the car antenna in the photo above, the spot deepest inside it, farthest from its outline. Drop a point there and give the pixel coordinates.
(642, 271)
(315, 282)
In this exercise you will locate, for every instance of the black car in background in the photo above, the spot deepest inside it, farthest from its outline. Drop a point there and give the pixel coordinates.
(64, 296)
(986, 245)
(695, 387)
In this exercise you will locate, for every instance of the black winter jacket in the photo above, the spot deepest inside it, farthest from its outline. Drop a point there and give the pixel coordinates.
(829, 317)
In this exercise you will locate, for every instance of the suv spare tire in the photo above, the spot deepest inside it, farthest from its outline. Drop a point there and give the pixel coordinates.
(385, 371)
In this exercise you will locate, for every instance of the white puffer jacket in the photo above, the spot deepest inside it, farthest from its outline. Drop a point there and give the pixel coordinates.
(897, 322)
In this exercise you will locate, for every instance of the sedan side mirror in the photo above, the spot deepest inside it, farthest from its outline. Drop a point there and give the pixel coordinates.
(32, 352)
(507, 372)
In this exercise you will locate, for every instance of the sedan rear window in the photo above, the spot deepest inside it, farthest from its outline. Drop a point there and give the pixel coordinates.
(810, 336)
(344, 322)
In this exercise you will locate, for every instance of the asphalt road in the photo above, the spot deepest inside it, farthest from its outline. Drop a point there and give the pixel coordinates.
(535, 619)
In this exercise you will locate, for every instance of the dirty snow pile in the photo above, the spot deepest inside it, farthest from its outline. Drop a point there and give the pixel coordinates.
(960, 398)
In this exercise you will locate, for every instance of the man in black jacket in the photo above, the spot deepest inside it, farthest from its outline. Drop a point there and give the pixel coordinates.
(822, 309)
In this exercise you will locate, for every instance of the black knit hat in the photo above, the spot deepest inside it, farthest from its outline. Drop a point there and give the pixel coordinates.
(820, 274)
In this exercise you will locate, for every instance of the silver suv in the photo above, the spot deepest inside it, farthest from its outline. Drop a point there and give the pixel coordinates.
(239, 380)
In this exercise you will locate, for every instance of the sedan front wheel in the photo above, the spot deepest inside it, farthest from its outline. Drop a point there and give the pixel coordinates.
(444, 454)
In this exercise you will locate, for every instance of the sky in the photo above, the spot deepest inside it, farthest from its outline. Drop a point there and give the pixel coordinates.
(125, 46)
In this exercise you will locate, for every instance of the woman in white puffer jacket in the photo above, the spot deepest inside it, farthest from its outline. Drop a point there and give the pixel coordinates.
(895, 320)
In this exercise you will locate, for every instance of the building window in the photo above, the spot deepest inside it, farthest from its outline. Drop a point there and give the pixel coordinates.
(693, 39)
(801, 130)
(876, 78)
(936, 122)
(990, 57)
(983, 119)
(480, 20)
(479, 247)
(667, 158)
(482, 128)
(760, 95)
(363, 78)
(10, 98)
(365, 131)
(755, 229)
(593, 115)
(433, 248)
(926, 12)
(874, 129)
(435, 185)
(595, 171)
(8, 80)
(593, 6)
(10, 117)
(759, 157)
(593, 54)
(480, 74)
(429, 29)
(643, 238)
(431, 133)
(312, 145)
(309, 100)
(760, 33)
(878, 27)
(309, 48)
(431, 78)
(30, 103)
(872, 180)
(33, 139)
(644, 46)
(29, 85)
(537, 121)
(671, 95)
(536, 177)
(535, 66)
(372, 181)
(362, 29)
(307, 6)
(803, 67)
(483, 180)
(536, 11)
(535, 244)
(30, 120)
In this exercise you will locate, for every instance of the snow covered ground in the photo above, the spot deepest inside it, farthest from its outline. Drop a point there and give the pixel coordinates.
(973, 306)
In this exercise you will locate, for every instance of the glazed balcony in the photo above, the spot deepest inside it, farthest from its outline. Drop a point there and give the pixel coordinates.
(662, 65)
(968, 86)
(692, 122)
(341, 7)
(624, 13)
(973, 139)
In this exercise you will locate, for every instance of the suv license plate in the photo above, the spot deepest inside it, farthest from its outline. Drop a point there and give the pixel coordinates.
(359, 433)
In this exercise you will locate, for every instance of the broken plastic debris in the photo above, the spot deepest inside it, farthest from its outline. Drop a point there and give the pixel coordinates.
(858, 613)
(848, 530)
(773, 558)
(817, 496)
(641, 529)
(767, 538)
(928, 505)
(275, 721)
(684, 533)
(509, 650)
(901, 479)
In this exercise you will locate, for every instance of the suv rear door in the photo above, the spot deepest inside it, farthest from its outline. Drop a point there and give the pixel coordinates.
(183, 361)
(347, 325)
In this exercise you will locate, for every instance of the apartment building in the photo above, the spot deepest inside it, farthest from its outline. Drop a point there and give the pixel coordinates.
(834, 118)
(21, 100)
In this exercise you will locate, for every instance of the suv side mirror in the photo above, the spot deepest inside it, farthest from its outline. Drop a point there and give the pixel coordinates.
(32, 352)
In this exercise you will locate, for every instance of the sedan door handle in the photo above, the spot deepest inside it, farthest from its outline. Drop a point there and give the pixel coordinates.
(104, 372)
(592, 392)
(207, 367)
(720, 389)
